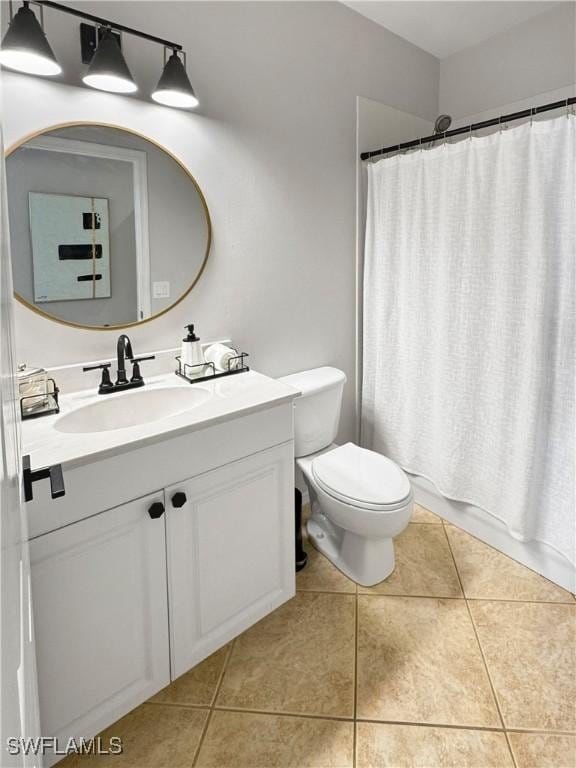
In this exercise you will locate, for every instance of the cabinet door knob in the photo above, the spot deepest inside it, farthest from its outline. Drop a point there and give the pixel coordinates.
(156, 510)
(179, 499)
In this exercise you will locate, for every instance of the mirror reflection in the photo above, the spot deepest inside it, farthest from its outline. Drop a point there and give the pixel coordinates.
(107, 228)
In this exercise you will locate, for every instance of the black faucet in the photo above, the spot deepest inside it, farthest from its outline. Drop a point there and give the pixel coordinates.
(123, 350)
(123, 353)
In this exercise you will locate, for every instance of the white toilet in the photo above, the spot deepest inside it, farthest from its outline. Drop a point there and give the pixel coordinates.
(359, 499)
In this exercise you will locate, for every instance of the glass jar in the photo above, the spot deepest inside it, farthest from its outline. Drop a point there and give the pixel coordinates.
(33, 389)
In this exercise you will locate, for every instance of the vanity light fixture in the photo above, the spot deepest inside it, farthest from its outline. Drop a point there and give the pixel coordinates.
(25, 47)
(174, 89)
(108, 70)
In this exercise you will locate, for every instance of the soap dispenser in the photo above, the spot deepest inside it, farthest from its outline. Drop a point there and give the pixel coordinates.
(192, 353)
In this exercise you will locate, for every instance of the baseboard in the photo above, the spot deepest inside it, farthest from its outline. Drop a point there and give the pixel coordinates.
(533, 554)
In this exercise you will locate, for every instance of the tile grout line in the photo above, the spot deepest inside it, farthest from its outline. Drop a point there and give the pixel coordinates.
(568, 600)
(512, 755)
(222, 673)
(202, 738)
(412, 723)
(344, 719)
(460, 597)
(279, 713)
(323, 592)
(212, 703)
(355, 711)
(511, 600)
(450, 726)
(423, 522)
(477, 636)
(509, 743)
(176, 705)
(541, 731)
(417, 597)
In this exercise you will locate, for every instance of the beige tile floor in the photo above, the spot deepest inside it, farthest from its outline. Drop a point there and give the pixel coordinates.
(462, 658)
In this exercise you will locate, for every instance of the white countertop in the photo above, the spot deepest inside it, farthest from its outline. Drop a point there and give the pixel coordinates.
(230, 397)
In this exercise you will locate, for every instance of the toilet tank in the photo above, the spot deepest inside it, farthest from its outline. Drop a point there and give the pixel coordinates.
(317, 411)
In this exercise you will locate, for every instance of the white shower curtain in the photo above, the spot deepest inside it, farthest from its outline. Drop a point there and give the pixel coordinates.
(469, 320)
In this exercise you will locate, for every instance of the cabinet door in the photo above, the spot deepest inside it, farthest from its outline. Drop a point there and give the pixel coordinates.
(101, 617)
(230, 551)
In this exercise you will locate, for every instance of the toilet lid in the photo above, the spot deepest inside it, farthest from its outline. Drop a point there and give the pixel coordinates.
(361, 476)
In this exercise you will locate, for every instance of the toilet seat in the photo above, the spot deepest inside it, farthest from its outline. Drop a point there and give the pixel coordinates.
(362, 478)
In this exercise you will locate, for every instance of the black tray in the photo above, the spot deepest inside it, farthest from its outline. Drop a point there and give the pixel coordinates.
(185, 371)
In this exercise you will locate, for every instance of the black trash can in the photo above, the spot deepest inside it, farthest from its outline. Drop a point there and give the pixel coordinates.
(301, 556)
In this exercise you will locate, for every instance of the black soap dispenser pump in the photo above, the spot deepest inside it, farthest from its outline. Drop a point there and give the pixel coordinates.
(192, 353)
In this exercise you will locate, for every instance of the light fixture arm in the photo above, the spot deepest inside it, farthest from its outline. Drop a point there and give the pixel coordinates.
(107, 23)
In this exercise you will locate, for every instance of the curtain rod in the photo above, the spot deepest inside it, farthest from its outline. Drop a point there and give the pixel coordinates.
(468, 128)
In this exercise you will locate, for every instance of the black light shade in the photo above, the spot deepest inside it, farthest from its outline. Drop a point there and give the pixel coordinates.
(25, 47)
(174, 88)
(108, 70)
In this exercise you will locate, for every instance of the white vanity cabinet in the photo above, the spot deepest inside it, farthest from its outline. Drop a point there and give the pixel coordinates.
(101, 617)
(124, 601)
(228, 563)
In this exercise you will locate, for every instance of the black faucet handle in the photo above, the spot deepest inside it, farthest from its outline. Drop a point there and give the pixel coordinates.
(96, 367)
(105, 382)
(136, 375)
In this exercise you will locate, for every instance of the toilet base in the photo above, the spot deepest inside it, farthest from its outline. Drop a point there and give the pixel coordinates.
(365, 561)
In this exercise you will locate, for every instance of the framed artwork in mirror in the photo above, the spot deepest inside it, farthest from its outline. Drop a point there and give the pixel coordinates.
(70, 247)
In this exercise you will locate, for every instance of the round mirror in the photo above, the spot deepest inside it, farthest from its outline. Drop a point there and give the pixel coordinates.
(107, 228)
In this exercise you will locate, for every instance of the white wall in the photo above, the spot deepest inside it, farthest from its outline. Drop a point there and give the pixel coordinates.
(380, 125)
(274, 149)
(524, 66)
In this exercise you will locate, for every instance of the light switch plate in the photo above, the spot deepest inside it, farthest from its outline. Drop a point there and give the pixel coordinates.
(161, 289)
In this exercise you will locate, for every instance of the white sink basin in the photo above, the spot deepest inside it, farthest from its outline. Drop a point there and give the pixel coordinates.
(130, 409)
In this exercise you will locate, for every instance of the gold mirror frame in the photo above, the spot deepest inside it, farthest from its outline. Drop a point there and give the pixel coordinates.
(80, 124)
